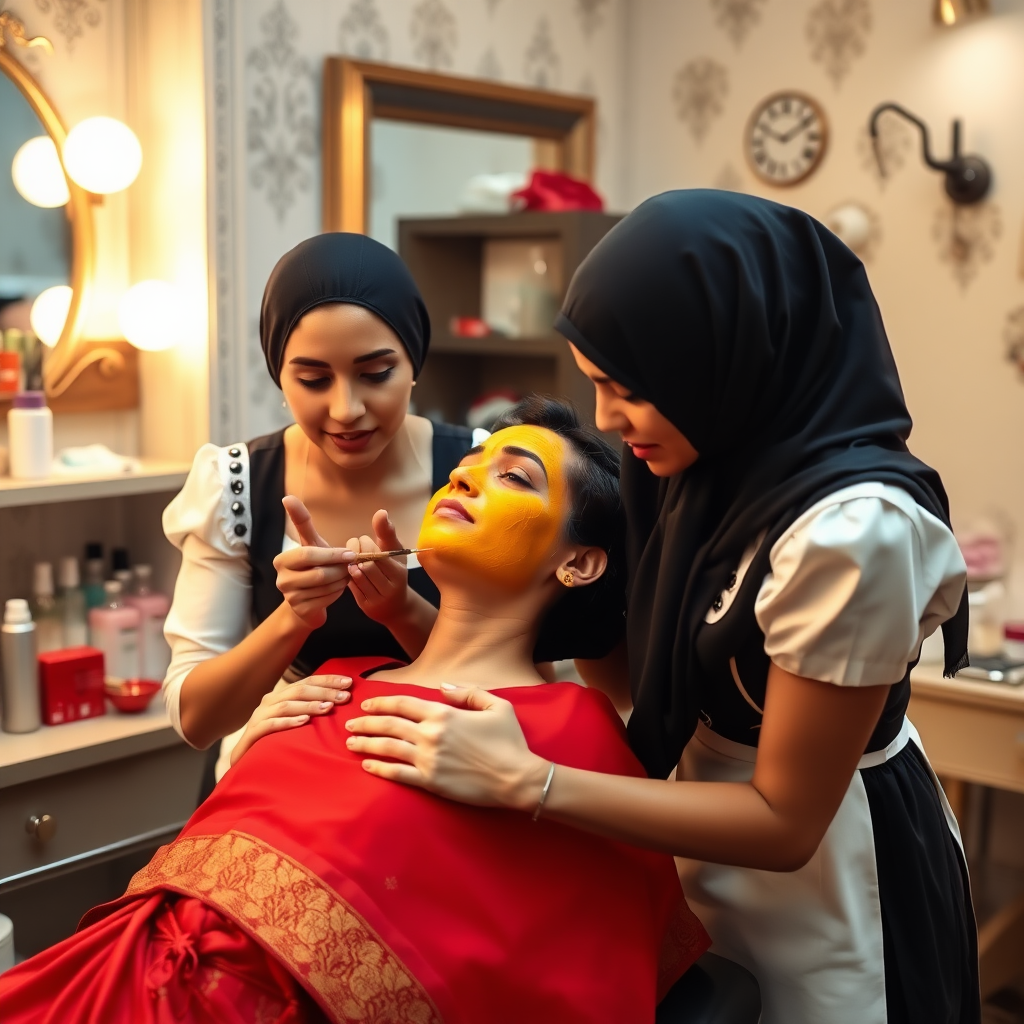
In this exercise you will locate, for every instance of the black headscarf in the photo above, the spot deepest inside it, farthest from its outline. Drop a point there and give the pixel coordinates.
(753, 329)
(342, 267)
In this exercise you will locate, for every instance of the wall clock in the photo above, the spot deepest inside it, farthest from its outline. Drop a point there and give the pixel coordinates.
(786, 138)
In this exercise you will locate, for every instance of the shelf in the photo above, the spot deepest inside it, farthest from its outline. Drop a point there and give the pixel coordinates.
(53, 749)
(154, 476)
(500, 345)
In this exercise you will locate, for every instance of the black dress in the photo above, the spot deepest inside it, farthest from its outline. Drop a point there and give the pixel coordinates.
(347, 632)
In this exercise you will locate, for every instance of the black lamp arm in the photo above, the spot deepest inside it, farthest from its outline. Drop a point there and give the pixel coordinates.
(939, 165)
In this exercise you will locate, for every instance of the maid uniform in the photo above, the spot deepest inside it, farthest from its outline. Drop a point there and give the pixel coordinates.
(804, 535)
(228, 521)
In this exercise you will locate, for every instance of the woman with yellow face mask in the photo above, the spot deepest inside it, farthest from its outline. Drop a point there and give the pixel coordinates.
(305, 889)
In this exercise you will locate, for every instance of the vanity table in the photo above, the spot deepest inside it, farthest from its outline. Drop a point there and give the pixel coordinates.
(75, 794)
(974, 732)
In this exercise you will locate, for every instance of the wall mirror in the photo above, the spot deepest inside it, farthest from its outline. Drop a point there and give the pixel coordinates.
(399, 142)
(403, 156)
(45, 246)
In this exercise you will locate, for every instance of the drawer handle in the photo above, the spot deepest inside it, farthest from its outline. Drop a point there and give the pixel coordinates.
(41, 827)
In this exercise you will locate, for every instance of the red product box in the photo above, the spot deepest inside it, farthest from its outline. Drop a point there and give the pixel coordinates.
(71, 684)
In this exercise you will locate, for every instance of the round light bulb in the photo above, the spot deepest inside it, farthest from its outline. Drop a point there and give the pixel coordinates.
(49, 312)
(38, 175)
(148, 314)
(102, 155)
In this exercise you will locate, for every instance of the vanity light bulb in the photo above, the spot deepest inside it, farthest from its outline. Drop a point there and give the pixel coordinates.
(49, 312)
(102, 155)
(38, 175)
(149, 314)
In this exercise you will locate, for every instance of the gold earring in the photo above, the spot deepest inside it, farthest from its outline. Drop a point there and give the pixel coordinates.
(568, 578)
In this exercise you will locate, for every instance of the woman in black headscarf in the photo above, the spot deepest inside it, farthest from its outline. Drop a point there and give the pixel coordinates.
(788, 555)
(345, 332)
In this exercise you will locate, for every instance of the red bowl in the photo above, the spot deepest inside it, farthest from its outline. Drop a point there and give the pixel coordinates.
(131, 695)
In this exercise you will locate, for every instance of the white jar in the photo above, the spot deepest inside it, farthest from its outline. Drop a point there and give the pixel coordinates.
(30, 436)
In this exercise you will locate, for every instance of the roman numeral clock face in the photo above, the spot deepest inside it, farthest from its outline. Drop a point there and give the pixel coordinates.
(786, 138)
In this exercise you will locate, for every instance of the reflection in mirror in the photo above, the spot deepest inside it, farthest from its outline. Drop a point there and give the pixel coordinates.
(35, 242)
(422, 170)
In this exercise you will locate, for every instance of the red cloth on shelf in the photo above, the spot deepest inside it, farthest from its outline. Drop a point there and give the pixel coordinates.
(388, 903)
(553, 190)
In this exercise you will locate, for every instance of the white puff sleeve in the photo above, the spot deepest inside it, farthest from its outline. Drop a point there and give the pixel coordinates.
(856, 584)
(210, 522)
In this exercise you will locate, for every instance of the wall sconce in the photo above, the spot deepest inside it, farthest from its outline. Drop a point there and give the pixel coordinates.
(149, 315)
(967, 177)
(953, 12)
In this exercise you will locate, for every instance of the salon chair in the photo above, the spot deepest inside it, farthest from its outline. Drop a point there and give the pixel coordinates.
(713, 991)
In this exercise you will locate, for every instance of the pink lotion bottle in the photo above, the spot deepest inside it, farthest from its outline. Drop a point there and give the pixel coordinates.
(114, 629)
(154, 651)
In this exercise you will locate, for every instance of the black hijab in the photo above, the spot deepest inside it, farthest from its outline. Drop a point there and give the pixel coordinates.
(342, 267)
(753, 329)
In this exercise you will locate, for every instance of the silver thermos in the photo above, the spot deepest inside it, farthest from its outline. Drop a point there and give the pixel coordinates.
(19, 693)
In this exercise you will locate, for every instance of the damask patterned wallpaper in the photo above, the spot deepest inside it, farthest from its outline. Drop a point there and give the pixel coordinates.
(948, 279)
(264, 65)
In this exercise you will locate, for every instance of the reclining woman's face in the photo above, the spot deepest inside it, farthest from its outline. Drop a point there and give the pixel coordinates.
(502, 513)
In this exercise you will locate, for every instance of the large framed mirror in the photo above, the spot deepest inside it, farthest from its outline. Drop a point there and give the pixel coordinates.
(397, 112)
(42, 246)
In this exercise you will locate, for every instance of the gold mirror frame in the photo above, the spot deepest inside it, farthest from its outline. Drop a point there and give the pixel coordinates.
(66, 360)
(356, 92)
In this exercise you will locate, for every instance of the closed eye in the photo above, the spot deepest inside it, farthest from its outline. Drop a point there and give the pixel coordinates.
(519, 477)
(380, 376)
(314, 383)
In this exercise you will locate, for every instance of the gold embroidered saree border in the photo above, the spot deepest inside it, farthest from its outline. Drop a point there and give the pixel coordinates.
(300, 919)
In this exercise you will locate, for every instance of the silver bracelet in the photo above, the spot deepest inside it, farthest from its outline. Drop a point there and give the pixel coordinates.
(544, 792)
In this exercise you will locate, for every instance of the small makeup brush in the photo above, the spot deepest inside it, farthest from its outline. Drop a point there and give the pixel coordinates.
(377, 556)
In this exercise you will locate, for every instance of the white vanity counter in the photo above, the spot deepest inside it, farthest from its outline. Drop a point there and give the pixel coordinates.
(53, 749)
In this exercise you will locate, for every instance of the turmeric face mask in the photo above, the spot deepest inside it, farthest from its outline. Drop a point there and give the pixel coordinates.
(503, 509)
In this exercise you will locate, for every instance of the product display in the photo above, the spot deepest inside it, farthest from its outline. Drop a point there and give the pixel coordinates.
(71, 684)
(46, 610)
(30, 436)
(154, 651)
(19, 692)
(114, 629)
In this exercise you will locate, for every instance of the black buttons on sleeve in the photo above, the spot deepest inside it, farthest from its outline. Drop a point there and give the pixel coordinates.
(235, 467)
(238, 508)
(732, 581)
(234, 452)
(239, 529)
(237, 487)
(716, 605)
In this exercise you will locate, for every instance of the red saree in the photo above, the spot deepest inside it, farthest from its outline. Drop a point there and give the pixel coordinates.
(386, 903)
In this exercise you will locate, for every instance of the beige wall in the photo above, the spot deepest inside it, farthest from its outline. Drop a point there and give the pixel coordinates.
(966, 398)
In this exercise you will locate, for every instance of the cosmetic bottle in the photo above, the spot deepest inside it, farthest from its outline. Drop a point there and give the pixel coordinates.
(95, 596)
(19, 687)
(72, 596)
(46, 610)
(30, 436)
(114, 629)
(154, 651)
(119, 565)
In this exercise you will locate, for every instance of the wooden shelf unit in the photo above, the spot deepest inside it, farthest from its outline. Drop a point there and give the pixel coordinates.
(445, 255)
(153, 476)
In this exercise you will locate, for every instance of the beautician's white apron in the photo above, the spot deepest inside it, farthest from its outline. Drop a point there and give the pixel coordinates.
(812, 937)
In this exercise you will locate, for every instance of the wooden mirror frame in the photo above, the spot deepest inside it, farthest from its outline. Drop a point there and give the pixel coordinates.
(71, 355)
(356, 92)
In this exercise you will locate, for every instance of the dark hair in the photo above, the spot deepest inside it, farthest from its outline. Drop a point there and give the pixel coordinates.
(585, 622)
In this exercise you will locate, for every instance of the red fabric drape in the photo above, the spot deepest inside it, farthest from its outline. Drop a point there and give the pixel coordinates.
(158, 959)
(388, 903)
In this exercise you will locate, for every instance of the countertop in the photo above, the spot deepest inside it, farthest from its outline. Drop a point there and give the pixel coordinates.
(53, 749)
